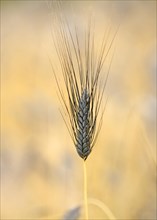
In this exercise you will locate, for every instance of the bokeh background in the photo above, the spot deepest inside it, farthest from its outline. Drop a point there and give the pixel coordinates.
(41, 173)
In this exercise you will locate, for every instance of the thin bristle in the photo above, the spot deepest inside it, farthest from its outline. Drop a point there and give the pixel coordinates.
(81, 71)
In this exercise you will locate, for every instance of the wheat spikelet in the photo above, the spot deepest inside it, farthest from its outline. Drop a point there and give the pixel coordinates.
(83, 135)
(81, 97)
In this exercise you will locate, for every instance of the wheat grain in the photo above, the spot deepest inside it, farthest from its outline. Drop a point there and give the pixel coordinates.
(83, 135)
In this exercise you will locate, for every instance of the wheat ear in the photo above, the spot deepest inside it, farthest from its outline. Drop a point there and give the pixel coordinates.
(83, 90)
(83, 136)
(84, 87)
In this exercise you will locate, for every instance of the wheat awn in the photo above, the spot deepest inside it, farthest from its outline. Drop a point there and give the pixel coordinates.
(82, 83)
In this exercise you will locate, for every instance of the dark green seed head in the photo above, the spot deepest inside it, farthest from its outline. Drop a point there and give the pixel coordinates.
(83, 135)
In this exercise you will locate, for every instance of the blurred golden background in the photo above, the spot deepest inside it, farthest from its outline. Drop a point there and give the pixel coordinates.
(41, 173)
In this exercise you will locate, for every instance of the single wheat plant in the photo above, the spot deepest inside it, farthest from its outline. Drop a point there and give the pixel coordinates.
(84, 83)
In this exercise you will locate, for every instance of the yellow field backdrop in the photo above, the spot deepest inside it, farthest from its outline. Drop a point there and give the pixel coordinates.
(41, 173)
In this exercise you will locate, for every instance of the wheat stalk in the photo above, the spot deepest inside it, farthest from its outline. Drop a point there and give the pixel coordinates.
(84, 86)
(85, 191)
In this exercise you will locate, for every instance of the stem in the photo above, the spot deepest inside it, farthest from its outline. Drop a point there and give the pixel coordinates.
(103, 207)
(85, 190)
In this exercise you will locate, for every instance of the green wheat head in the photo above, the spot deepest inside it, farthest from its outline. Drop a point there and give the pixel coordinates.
(83, 80)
